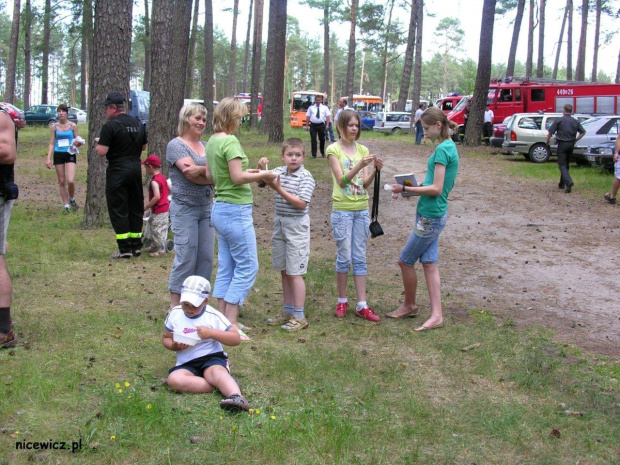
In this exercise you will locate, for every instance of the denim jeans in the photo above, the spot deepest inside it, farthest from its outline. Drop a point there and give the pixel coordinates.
(423, 242)
(419, 132)
(237, 254)
(350, 230)
(194, 243)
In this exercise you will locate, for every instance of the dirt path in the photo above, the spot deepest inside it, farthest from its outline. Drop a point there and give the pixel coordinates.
(522, 248)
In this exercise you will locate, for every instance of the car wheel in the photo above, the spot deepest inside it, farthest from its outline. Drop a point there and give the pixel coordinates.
(539, 153)
(526, 156)
(396, 131)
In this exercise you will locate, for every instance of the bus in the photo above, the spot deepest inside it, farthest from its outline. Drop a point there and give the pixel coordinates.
(300, 101)
(366, 103)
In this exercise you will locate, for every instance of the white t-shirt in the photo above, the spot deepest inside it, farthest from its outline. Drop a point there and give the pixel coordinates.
(417, 115)
(177, 322)
(488, 116)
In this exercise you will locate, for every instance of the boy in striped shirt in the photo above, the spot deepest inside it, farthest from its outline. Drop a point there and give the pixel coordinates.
(291, 233)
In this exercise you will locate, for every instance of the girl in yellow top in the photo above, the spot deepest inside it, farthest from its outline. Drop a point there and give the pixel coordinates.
(353, 170)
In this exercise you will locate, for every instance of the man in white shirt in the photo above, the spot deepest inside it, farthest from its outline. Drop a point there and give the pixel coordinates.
(487, 129)
(419, 132)
(317, 117)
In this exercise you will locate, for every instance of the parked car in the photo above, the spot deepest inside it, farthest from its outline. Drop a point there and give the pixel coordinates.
(15, 113)
(601, 155)
(45, 114)
(526, 134)
(599, 129)
(392, 122)
(367, 120)
(497, 139)
(80, 114)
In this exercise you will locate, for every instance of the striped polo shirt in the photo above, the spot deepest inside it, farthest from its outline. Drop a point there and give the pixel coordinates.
(300, 183)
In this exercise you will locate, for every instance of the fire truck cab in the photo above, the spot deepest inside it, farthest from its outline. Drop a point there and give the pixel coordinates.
(524, 96)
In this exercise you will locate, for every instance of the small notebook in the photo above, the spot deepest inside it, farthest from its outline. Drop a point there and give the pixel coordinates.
(407, 180)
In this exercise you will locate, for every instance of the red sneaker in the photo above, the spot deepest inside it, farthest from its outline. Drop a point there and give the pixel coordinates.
(341, 310)
(368, 314)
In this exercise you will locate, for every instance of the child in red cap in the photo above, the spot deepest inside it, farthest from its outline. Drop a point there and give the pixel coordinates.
(157, 225)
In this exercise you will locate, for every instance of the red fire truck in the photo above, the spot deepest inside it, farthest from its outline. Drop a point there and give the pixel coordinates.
(246, 98)
(542, 95)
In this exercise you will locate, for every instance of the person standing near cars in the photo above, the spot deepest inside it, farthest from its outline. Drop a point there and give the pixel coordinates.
(122, 140)
(419, 132)
(317, 117)
(487, 129)
(565, 130)
(342, 105)
(8, 155)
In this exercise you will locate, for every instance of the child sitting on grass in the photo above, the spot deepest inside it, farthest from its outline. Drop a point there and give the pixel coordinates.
(202, 367)
(291, 231)
(157, 225)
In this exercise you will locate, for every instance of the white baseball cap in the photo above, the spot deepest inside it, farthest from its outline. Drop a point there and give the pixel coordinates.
(195, 290)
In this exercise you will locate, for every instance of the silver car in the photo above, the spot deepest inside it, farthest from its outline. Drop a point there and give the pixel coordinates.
(599, 129)
(526, 134)
(393, 122)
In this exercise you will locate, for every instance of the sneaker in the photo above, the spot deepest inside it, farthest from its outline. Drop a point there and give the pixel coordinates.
(279, 320)
(368, 314)
(341, 310)
(66, 210)
(74, 205)
(295, 324)
(7, 340)
(117, 255)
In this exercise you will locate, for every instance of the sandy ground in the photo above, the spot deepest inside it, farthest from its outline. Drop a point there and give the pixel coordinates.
(522, 249)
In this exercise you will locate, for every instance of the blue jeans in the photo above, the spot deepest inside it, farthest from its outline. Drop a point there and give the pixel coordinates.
(419, 132)
(423, 242)
(237, 254)
(194, 243)
(350, 230)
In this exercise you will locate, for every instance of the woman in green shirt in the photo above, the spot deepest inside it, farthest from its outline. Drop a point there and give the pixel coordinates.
(431, 217)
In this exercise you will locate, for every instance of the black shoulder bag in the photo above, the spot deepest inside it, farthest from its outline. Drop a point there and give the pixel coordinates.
(375, 227)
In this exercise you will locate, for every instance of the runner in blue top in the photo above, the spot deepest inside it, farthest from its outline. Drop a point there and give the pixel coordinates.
(431, 216)
(63, 135)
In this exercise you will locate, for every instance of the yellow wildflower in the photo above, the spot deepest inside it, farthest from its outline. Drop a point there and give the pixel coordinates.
(117, 385)
(149, 406)
(127, 384)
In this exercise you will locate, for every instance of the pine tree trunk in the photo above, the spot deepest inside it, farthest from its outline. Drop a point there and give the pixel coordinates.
(256, 58)
(246, 60)
(232, 70)
(541, 39)
(45, 50)
(207, 73)
(417, 62)
(146, 83)
(559, 50)
(351, 55)
(408, 63)
(9, 94)
(384, 55)
(110, 72)
(580, 68)
(597, 31)
(326, 87)
(476, 116)
(510, 68)
(530, 43)
(569, 41)
(87, 46)
(273, 107)
(27, 53)
(191, 58)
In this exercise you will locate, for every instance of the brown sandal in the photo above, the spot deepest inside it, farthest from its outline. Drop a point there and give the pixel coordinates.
(610, 199)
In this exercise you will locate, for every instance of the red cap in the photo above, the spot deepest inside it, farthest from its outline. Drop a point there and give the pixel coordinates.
(152, 160)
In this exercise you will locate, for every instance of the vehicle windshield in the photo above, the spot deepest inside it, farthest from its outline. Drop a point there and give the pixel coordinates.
(462, 104)
(589, 121)
(491, 96)
(302, 102)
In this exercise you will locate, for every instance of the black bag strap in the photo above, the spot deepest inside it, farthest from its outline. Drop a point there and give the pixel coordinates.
(375, 197)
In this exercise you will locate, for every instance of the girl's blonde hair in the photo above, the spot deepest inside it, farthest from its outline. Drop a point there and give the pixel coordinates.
(343, 121)
(189, 110)
(434, 115)
(227, 115)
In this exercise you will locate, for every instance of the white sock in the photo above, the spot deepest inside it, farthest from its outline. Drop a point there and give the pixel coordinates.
(298, 312)
(289, 309)
(66, 205)
(361, 304)
(343, 301)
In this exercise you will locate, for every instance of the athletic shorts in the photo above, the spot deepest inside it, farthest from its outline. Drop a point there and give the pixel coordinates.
(198, 365)
(61, 158)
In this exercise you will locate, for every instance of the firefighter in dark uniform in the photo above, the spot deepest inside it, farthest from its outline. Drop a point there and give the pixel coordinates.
(121, 141)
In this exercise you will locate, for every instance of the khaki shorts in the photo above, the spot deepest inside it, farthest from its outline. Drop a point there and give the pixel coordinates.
(291, 244)
(5, 213)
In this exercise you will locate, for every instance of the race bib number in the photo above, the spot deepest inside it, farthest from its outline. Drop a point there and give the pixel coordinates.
(63, 142)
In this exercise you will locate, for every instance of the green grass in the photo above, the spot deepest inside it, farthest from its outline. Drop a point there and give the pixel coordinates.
(341, 392)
